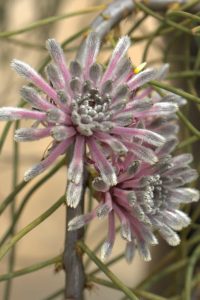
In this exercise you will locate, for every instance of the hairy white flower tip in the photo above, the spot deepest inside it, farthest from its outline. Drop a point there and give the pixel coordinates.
(142, 78)
(184, 220)
(126, 232)
(75, 173)
(183, 159)
(168, 147)
(118, 147)
(75, 68)
(154, 139)
(76, 223)
(6, 114)
(122, 45)
(93, 43)
(144, 251)
(110, 177)
(144, 154)
(99, 185)
(165, 107)
(154, 240)
(194, 194)
(130, 251)
(106, 250)
(73, 194)
(162, 72)
(54, 48)
(34, 171)
(170, 236)
(103, 210)
(148, 235)
(59, 133)
(95, 72)
(28, 93)
(21, 68)
(170, 97)
(173, 240)
(132, 198)
(24, 134)
(54, 76)
(54, 115)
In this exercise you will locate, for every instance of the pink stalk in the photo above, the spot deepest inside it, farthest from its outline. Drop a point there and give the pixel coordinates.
(44, 164)
(12, 113)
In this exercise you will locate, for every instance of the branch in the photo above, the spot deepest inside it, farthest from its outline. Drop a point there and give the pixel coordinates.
(32, 268)
(27, 197)
(74, 270)
(146, 295)
(117, 282)
(72, 259)
(50, 20)
(119, 10)
(6, 247)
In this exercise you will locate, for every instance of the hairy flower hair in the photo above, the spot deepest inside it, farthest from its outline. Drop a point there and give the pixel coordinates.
(147, 200)
(100, 112)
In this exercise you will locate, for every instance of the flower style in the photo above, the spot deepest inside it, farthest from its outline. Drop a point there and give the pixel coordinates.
(99, 112)
(146, 200)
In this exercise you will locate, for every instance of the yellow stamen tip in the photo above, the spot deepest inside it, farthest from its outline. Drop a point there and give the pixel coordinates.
(139, 68)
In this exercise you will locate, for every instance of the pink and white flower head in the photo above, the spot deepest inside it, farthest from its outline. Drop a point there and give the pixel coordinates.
(90, 108)
(147, 200)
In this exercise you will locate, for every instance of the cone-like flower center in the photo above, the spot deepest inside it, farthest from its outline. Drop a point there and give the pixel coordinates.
(155, 194)
(90, 108)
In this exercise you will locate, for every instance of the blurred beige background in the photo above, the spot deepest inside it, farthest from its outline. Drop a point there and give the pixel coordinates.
(47, 239)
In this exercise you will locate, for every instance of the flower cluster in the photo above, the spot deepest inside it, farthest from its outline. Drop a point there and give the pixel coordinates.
(146, 199)
(126, 133)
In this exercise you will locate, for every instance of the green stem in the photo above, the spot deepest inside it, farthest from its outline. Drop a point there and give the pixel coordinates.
(6, 247)
(184, 74)
(27, 197)
(11, 196)
(96, 249)
(11, 261)
(174, 267)
(117, 282)
(24, 44)
(109, 263)
(50, 20)
(33, 268)
(189, 273)
(150, 41)
(188, 124)
(173, 24)
(174, 90)
(140, 293)
(187, 15)
(195, 282)
(189, 5)
(4, 134)
(166, 260)
(187, 142)
(137, 24)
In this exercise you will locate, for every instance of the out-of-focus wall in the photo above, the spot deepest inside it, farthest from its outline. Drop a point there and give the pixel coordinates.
(47, 239)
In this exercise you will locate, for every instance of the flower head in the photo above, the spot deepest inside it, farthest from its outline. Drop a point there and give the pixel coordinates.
(100, 112)
(146, 200)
